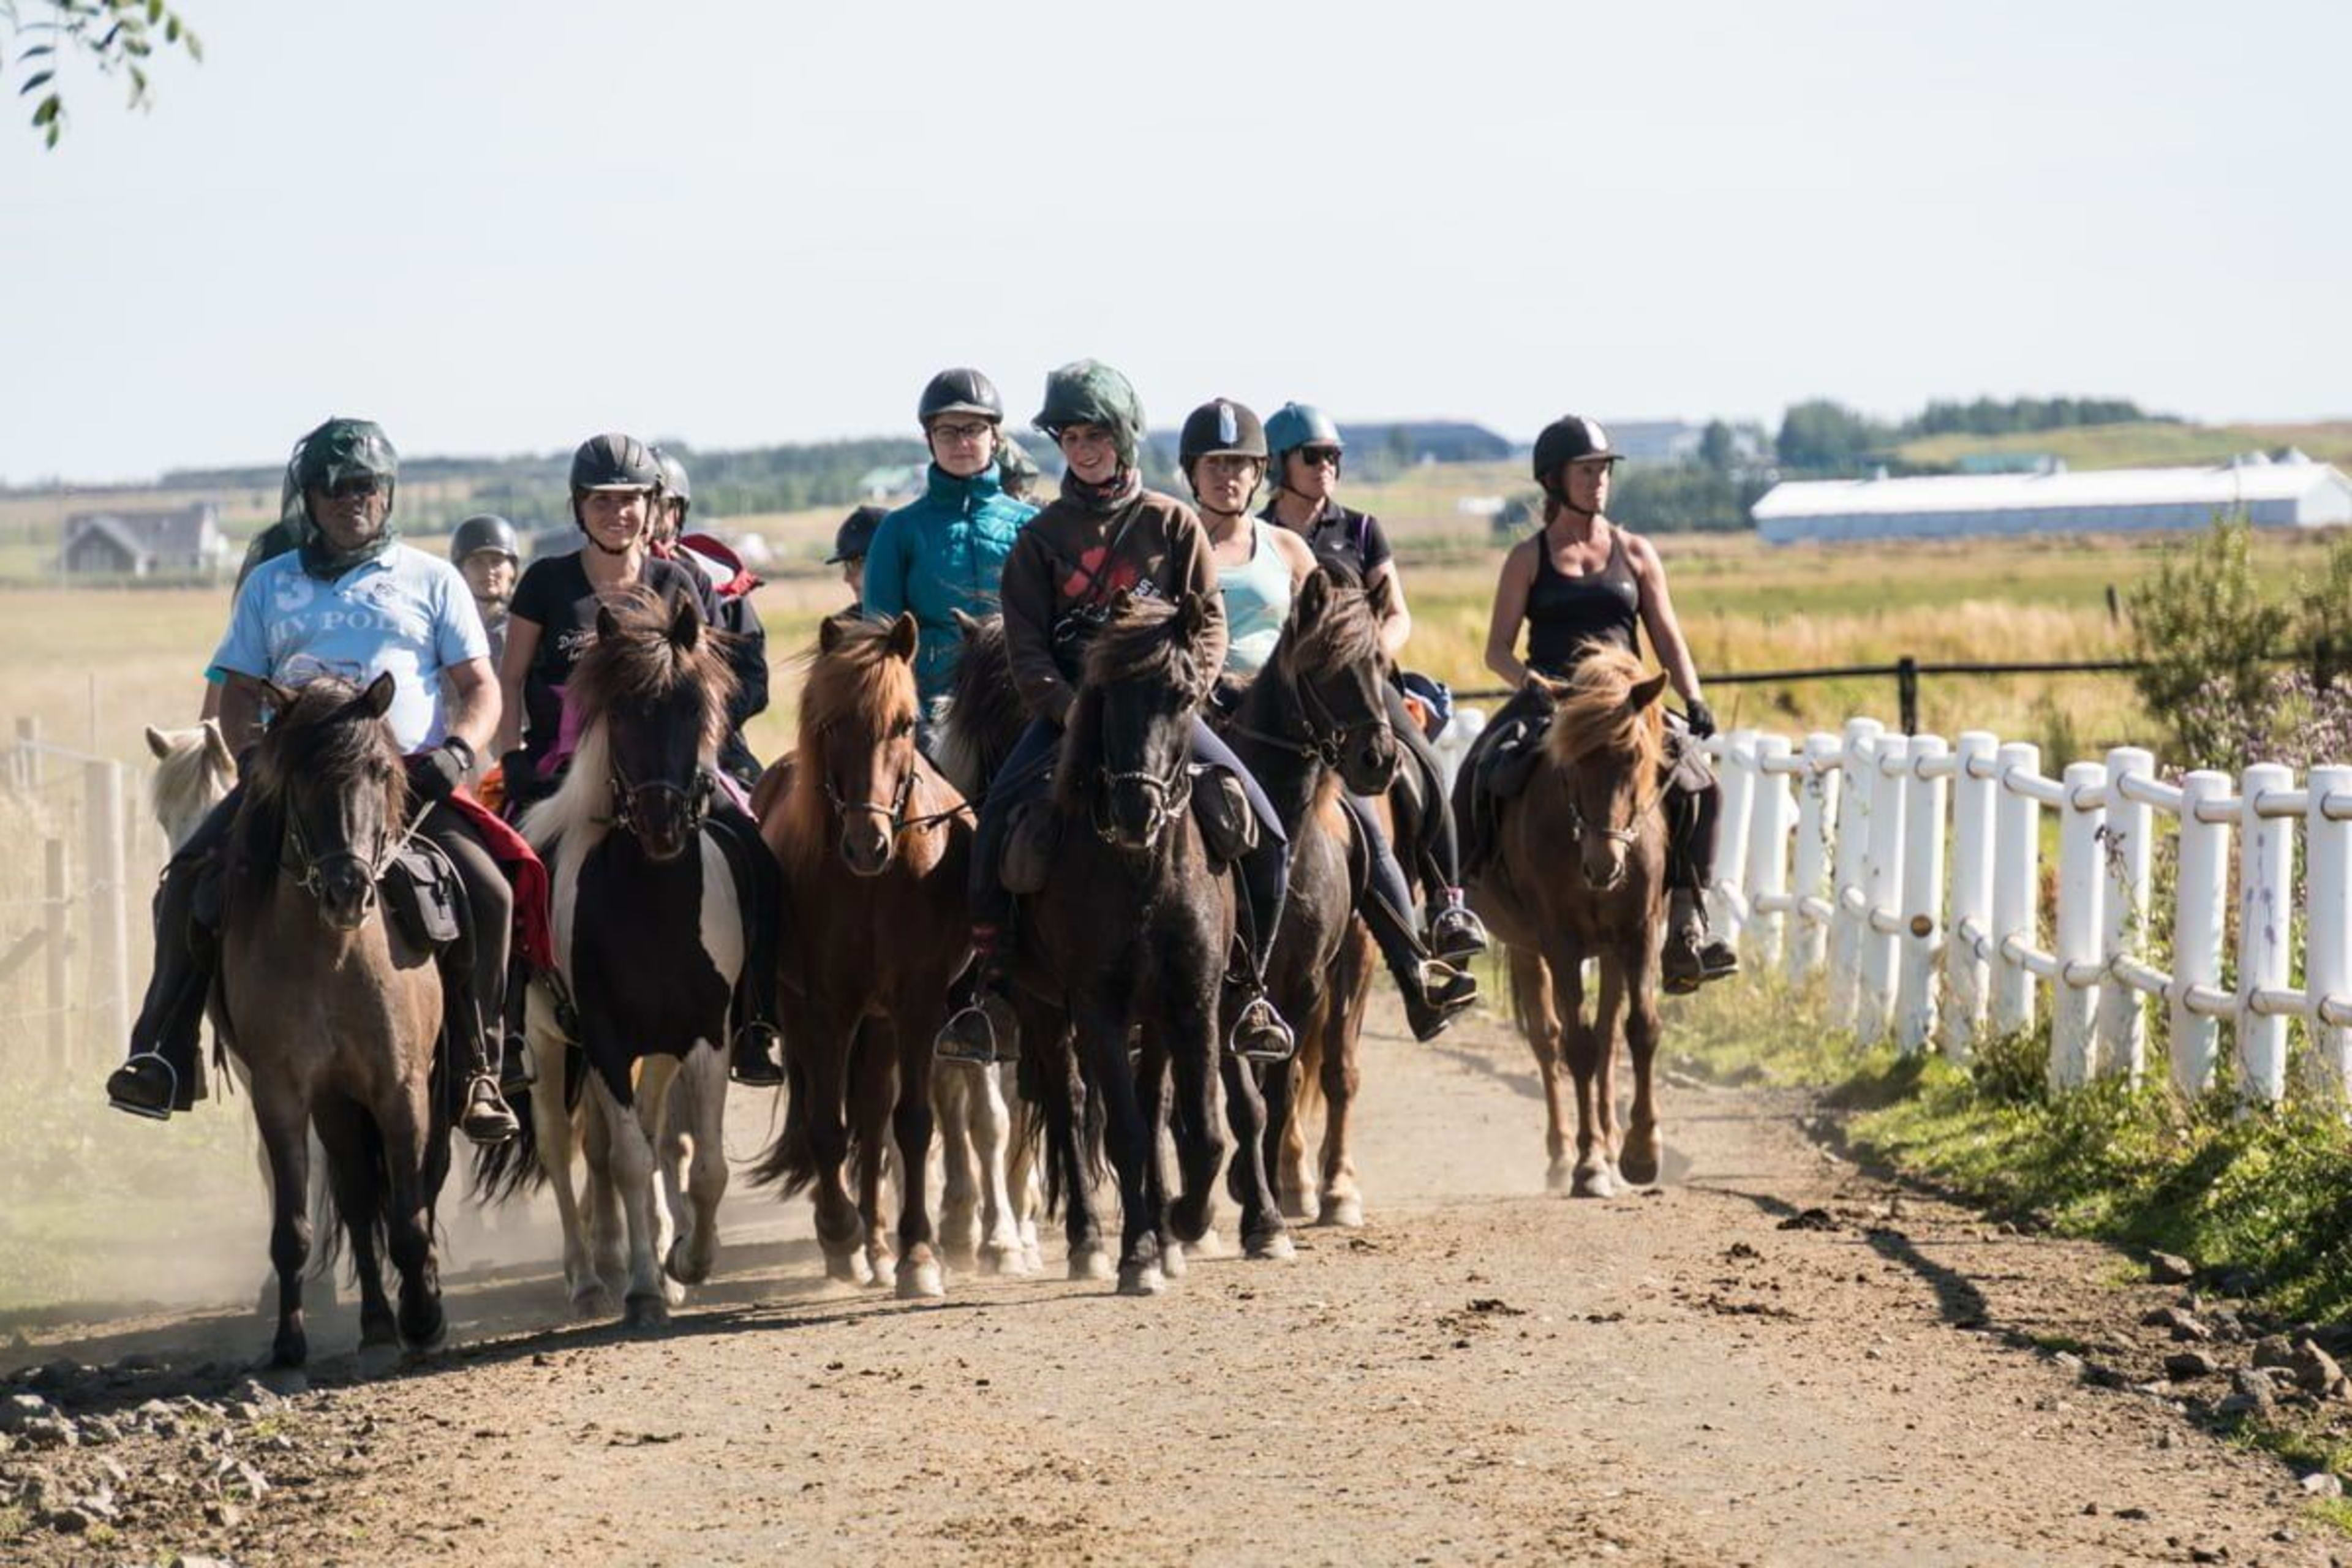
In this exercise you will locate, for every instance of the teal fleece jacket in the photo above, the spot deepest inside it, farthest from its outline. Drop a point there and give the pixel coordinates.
(941, 553)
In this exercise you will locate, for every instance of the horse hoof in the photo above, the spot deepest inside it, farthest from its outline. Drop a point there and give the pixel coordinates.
(680, 1265)
(1272, 1246)
(1558, 1177)
(379, 1358)
(1172, 1261)
(644, 1312)
(920, 1279)
(1299, 1207)
(1090, 1263)
(1033, 1258)
(995, 1258)
(846, 1267)
(1593, 1181)
(591, 1299)
(1342, 1213)
(1208, 1244)
(1141, 1279)
(1637, 1162)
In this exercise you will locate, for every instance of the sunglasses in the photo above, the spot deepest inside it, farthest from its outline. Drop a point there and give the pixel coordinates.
(1320, 456)
(354, 485)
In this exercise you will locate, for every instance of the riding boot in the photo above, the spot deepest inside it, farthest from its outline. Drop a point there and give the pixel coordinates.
(486, 1118)
(1259, 1033)
(514, 1043)
(1457, 934)
(751, 1053)
(164, 1070)
(1435, 991)
(1691, 956)
(982, 1031)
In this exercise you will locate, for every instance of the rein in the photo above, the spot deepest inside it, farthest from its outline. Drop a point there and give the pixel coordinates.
(1327, 738)
(1625, 836)
(1169, 795)
(895, 813)
(309, 870)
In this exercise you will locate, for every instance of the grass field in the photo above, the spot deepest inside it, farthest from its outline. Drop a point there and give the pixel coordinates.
(2145, 445)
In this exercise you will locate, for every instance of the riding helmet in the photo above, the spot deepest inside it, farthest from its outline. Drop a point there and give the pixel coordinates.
(345, 449)
(1220, 425)
(615, 462)
(485, 530)
(959, 391)
(1566, 440)
(856, 535)
(1088, 392)
(1016, 470)
(674, 481)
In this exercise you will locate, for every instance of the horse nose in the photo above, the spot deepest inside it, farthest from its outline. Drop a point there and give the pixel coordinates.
(866, 847)
(348, 892)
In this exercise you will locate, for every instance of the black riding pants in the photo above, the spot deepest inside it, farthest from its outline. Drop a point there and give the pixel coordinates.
(1437, 849)
(1387, 903)
(760, 882)
(477, 959)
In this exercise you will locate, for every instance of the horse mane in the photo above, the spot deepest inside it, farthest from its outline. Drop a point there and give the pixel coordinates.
(314, 738)
(637, 666)
(1140, 642)
(857, 681)
(1594, 714)
(1345, 634)
(984, 717)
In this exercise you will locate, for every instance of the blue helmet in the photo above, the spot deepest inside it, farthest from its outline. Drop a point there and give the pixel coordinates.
(1296, 424)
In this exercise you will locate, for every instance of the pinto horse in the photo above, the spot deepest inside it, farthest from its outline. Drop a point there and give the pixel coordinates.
(194, 772)
(1313, 720)
(1597, 785)
(873, 842)
(331, 1009)
(648, 945)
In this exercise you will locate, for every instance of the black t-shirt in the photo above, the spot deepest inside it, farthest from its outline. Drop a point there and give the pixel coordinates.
(554, 595)
(1340, 534)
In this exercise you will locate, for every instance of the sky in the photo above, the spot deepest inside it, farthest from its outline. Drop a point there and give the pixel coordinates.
(499, 227)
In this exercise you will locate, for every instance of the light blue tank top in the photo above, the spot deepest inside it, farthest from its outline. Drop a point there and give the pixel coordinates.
(1257, 601)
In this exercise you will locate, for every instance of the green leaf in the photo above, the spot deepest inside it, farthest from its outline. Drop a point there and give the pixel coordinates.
(34, 82)
(47, 113)
(154, 10)
(195, 48)
(171, 30)
(36, 49)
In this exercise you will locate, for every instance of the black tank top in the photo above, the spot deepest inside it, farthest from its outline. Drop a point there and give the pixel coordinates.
(1564, 613)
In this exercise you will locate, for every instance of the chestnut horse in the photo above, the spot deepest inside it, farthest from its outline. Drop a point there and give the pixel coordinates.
(1597, 786)
(874, 843)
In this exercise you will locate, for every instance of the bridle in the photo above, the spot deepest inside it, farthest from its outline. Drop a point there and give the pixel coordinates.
(1327, 737)
(894, 816)
(1624, 837)
(1168, 793)
(309, 870)
(629, 800)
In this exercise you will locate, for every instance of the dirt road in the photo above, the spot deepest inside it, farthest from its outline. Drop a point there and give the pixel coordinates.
(1707, 1373)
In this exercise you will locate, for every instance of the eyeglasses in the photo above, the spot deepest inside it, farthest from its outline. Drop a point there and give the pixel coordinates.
(961, 433)
(354, 485)
(1320, 456)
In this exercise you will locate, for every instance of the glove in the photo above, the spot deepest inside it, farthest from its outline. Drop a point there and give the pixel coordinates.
(439, 771)
(1700, 717)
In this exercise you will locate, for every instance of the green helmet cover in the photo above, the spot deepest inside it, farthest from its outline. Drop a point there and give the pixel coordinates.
(337, 450)
(1088, 392)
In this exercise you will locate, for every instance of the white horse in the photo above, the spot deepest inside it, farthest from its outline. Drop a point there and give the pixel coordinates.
(991, 1200)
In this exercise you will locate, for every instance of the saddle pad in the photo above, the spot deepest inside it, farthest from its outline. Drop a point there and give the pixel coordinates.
(1035, 832)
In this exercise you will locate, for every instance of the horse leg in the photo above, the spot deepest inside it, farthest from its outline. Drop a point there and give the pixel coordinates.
(1164, 1122)
(1595, 1173)
(838, 1230)
(1264, 1234)
(1531, 994)
(1301, 1093)
(954, 1106)
(607, 1232)
(1342, 1201)
(910, 1120)
(674, 1161)
(343, 1142)
(1192, 1062)
(405, 1123)
(1131, 1135)
(1046, 1041)
(1608, 1013)
(1638, 1159)
(1020, 1178)
(872, 1093)
(698, 1107)
(285, 1145)
(991, 1127)
(645, 1302)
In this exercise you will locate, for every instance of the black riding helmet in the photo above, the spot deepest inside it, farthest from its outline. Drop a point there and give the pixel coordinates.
(959, 391)
(856, 535)
(615, 462)
(485, 530)
(1218, 426)
(675, 484)
(1569, 440)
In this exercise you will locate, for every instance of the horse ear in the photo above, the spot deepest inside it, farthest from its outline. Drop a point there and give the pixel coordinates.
(378, 695)
(828, 633)
(157, 746)
(217, 744)
(1381, 595)
(967, 626)
(279, 698)
(1192, 614)
(1647, 692)
(608, 625)
(1314, 597)
(902, 636)
(686, 626)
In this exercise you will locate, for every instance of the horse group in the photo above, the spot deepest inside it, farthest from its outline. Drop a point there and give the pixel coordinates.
(1121, 954)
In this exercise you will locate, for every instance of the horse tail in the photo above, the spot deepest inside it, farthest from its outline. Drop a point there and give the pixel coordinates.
(789, 1163)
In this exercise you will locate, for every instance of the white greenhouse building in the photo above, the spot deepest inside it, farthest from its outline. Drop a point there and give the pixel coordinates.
(2294, 493)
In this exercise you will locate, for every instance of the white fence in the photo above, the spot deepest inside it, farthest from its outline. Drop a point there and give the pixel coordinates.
(1910, 871)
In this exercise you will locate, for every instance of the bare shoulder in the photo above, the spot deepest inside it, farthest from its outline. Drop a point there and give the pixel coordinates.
(1293, 549)
(1641, 552)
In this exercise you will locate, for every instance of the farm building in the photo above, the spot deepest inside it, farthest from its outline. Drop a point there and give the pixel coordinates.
(178, 541)
(2292, 493)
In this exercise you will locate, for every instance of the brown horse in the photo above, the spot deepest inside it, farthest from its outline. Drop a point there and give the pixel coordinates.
(332, 1010)
(1313, 720)
(1598, 786)
(874, 843)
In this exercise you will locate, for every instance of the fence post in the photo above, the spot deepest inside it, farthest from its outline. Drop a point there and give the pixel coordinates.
(1767, 847)
(1965, 973)
(2197, 931)
(102, 863)
(1817, 804)
(2326, 935)
(2075, 999)
(2123, 1012)
(29, 753)
(2265, 866)
(1882, 886)
(2016, 887)
(1730, 912)
(56, 910)
(1852, 854)
(1922, 909)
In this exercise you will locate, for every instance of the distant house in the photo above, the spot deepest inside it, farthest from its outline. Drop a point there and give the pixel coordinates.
(182, 542)
(1656, 440)
(2286, 494)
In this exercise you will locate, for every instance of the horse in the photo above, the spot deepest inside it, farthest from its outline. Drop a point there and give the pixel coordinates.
(1312, 720)
(871, 834)
(1129, 935)
(194, 772)
(648, 946)
(1597, 783)
(333, 1011)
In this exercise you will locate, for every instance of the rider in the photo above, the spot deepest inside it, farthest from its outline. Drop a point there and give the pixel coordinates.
(851, 540)
(731, 583)
(1307, 453)
(945, 550)
(484, 550)
(350, 599)
(1222, 453)
(1583, 582)
(616, 485)
(1105, 535)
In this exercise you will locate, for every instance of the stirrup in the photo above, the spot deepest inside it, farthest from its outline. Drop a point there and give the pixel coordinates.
(967, 1037)
(1457, 934)
(487, 1118)
(1270, 1036)
(749, 1061)
(130, 1067)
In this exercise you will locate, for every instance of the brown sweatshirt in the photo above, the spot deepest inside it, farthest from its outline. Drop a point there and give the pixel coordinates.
(1059, 563)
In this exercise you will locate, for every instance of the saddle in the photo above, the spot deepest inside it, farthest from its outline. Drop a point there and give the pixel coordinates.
(1228, 830)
